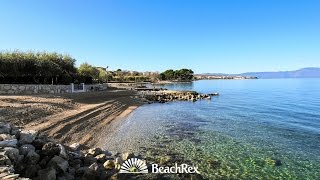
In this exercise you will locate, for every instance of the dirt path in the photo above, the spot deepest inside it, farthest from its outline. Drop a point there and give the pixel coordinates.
(68, 118)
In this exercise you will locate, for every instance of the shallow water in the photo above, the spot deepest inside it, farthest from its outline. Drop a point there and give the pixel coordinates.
(255, 129)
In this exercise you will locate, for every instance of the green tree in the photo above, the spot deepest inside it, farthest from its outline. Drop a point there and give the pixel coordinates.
(88, 70)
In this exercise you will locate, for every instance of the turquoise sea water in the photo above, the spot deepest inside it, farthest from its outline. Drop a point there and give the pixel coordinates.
(255, 129)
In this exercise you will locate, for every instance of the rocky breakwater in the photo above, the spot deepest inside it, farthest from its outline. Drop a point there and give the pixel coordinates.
(163, 96)
(24, 154)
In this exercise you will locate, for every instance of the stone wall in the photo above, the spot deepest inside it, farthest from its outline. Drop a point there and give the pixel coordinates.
(7, 89)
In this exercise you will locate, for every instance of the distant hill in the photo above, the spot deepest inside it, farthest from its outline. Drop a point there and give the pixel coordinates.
(301, 73)
(310, 72)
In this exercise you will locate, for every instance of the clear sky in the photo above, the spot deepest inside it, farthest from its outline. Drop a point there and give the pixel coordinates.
(227, 36)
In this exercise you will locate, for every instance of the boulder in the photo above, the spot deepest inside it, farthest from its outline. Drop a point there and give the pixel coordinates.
(47, 174)
(31, 171)
(95, 151)
(27, 136)
(88, 160)
(32, 157)
(76, 163)
(12, 153)
(9, 143)
(90, 174)
(51, 149)
(58, 163)
(26, 148)
(39, 143)
(5, 128)
(109, 164)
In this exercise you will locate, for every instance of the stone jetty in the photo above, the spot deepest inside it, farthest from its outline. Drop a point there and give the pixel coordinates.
(163, 96)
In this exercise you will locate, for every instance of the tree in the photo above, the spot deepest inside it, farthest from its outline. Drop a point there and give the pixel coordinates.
(87, 70)
(182, 74)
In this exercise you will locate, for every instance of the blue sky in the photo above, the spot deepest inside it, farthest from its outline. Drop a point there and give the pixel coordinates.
(228, 36)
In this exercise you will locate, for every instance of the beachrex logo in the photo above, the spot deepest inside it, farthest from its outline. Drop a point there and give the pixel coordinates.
(135, 165)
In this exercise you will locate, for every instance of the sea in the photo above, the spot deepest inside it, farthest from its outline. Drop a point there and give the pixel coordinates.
(255, 129)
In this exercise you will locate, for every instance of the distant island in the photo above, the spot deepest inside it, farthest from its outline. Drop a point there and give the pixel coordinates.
(310, 72)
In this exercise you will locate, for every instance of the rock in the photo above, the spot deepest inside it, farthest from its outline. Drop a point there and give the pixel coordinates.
(5, 128)
(12, 153)
(7, 169)
(27, 136)
(214, 164)
(47, 174)
(63, 152)
(32, 157)
(44, 161)
(4, 160)
(65, 176)
(15, 131)
(39, 143)
(95, 151)
(277, 162)
(26, 148)
(88, 160)
(165, 159)
(76, 163)
(60, 164)
(118, 162)
(51, 149)
(127, 155)
(4, 137)
(74, 146)
(94, 166)
(109, 164)
(101, 158)
(90, 174)
(11, 177)
(9, 143)
(31, 171)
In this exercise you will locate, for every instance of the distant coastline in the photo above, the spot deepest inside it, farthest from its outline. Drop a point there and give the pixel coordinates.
(308, 72)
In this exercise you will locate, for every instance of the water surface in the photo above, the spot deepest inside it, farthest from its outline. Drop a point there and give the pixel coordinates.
(254, 129)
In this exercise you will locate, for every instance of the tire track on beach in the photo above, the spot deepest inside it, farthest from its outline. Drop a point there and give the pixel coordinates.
(85, 124)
